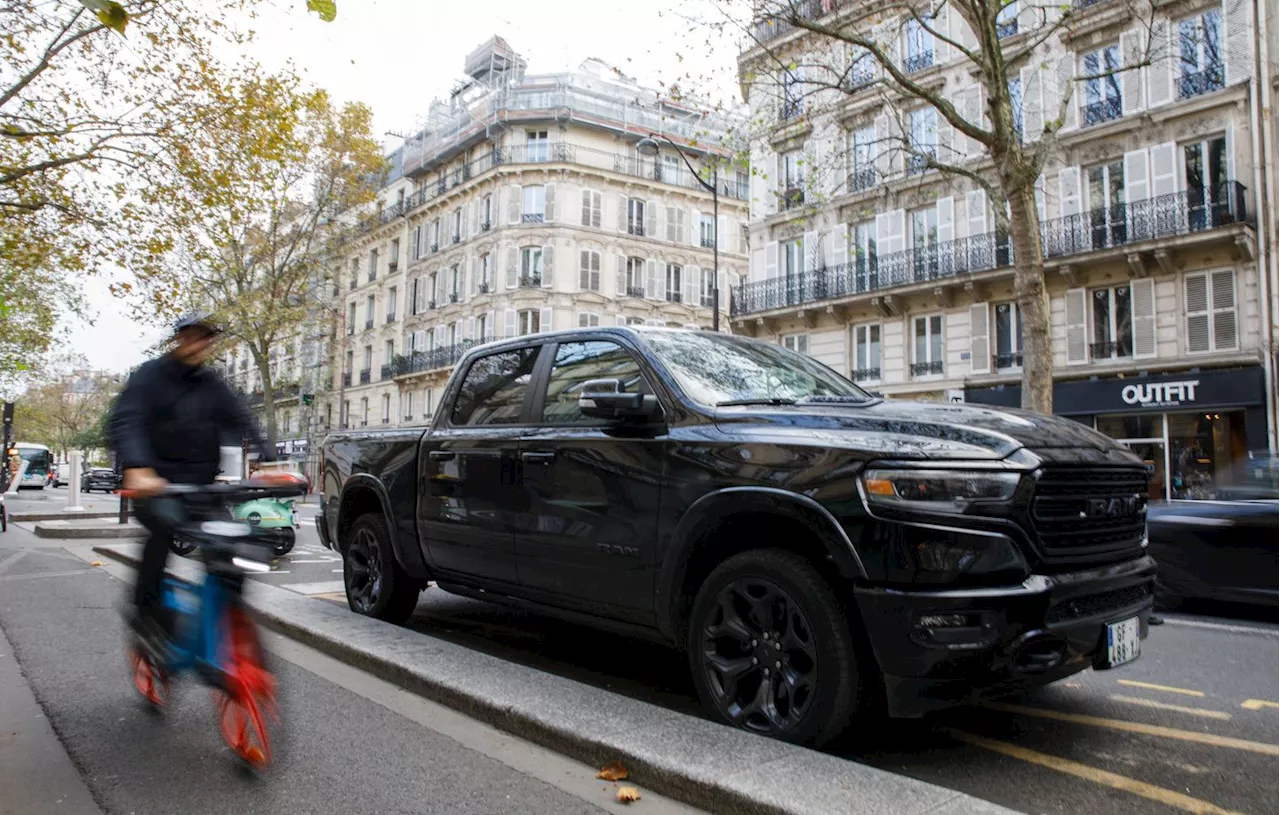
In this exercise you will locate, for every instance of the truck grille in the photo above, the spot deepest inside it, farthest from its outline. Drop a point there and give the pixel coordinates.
(1094, 605)
(1086, 512)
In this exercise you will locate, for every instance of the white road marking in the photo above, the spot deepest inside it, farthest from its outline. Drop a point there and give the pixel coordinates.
(321, 560)
(1190, 711)
(1235, 629)
(326, 587)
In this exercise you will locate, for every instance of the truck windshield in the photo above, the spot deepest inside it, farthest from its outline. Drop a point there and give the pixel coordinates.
(715, 369)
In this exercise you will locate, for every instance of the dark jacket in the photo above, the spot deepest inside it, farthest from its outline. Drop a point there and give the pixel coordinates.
(173, 418)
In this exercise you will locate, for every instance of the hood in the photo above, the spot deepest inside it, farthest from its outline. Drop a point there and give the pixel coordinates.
(924, 430)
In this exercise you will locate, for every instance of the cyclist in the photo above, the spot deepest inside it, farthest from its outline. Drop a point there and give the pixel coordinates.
(166, 428)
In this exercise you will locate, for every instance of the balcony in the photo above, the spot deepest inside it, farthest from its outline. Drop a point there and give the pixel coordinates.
(368, 323)
(708, 242)
(346, 379)
(1004, 361)
(1099, 112)
(1200, 83)
(635, 291)
(792, 199)
(365, 376)
(774, 26)
(635, 229)
(917, 62)
(532, 218)
(351, 329)
(454, 297)
(393, 267)
(354, 282)
(435, 247)
(791, 110)
(927, 368)
(917, 164)
(391, 317)
(483, 288)
(1111, 349)
(457, 238)
(530, 281)
(674, 297)
(485, 226)
(862, 178)
(431, 304)
(866, 374)
(373, 275)
(386, 373)
(434, 359)
(860, 76)
(708, 300)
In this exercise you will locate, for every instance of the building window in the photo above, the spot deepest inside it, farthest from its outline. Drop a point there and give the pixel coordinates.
(588, 319)
(924, 139)
(919, 46)
(792, 178)
(351, 318)
(455, 283)
(433, 281)
(635, 277)
(706, 231)
(866, 353)
(1101, 98)
(435, 235)
(531, 266)
(386, 408)
(390, 350)
(364, 411)
(1105, 200)
(368, 312)
(393, 259)
(862, 67)
(373, 264)
(486, 212)
(536, 144)
(927, 348)
(635, 216)
(457, 224)
(924, 242)
(408, 406)
(1112, 323)
(484, 281)
(528, 321)
(708, 288)
(674, 274)
(793, 258)
(1211, 312)
(1015, 106)
(589, 271)
(796, 342)
(1205, 175)
(355, 272)
(1008, 336)
(792, 95)
(393, 305)
(1007, 21)
(591, 208)
(635, 321)
(1199, 38)
(862, 158)
(535, 199)
(866, 273)
(288, 422)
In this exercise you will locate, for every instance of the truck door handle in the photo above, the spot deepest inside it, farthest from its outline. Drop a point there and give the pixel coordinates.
(538, 458)
(441, 455)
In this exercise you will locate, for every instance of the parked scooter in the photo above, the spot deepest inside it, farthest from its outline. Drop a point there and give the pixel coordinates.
(276, 517)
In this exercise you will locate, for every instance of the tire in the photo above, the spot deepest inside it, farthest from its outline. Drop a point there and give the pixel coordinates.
(285, 545)
(182, 547)
(376, 584)
(730, 645)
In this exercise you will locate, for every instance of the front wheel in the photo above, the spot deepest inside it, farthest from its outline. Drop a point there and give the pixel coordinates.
(376, 584)
(771, 650)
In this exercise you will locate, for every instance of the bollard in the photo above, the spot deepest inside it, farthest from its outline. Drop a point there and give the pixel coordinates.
(73, 494)
(124, 510)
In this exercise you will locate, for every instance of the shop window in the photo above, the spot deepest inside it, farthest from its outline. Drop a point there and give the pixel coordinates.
(1203, 451)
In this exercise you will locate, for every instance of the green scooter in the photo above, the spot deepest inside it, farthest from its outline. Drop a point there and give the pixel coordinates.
(275, 517)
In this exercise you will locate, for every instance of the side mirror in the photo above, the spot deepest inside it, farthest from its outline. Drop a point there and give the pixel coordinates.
(605, 399)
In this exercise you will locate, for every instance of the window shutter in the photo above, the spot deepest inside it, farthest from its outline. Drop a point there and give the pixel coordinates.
(513, 204)
(1143, 293)
(549, 203)
(475, 276)
(1032, 104)
(1066, 90)
(651, 279)
(840, 245)
(722, 229)
(651, 218)
(695, 228)
(889, 232)
(471, 329)
(622, 213)
(544, 320)
(1224, 311)
(979, 339)
(1069, 191)
(771, 260)
(1131, 55)
(584, 270)
(970, 100)
(946, 219)
(509, 323)
(884, 150)
(975, 203)
(945, 136)
(492, 325)
(621, 281)
(586, 207)
(1137, 185)
(1237, 29)
(620, 320)
(548, 266)
(724, 288)
(1028, 15)
(1160, 68)
(812, 252)
(941, 24)
(1077, 327)
(513, 267)
(462, 228)
(1197, 307)
(1164, 186)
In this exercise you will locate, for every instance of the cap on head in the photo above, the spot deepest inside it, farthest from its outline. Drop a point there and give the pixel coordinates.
(196, 319)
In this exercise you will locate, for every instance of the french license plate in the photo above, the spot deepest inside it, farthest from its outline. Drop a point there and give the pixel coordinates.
(1123, 642)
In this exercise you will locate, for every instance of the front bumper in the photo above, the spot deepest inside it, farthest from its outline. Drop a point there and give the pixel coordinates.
(1011, 638)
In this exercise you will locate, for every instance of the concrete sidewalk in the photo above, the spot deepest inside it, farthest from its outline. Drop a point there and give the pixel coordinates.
(690, 759)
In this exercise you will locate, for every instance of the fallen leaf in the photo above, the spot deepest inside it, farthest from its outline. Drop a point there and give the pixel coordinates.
(96, 563)
(628, 794)
(613, 771)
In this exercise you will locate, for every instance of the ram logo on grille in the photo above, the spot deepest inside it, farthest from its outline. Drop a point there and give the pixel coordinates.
(1122, 507)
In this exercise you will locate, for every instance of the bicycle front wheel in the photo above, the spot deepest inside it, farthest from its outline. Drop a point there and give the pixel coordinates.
(250, 692)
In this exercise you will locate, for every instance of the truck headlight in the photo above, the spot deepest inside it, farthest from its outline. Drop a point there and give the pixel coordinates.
(947, 491)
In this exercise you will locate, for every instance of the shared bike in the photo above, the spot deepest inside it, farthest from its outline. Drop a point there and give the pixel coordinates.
(213, 635)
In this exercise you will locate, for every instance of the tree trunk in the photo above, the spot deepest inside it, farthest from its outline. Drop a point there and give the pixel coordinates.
(268, 401)
(1033, 301)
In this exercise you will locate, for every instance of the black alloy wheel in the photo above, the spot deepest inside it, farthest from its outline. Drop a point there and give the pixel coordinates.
(363, 571)
(377, 586)
(771, 650)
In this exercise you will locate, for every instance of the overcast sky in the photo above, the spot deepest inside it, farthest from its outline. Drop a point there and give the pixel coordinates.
(396, 55)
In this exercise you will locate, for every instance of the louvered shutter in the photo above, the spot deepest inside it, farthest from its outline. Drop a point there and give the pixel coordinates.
(1131, 56)
(979, 338)
(1143, 294)
(1077, 327)
(1237, 30)
(1224, 311)
(545, 320)
(1196, 302)
(548, 266)
(1066, 90)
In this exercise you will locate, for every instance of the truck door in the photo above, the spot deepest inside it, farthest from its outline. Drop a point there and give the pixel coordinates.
(470, 469)
(589, 535)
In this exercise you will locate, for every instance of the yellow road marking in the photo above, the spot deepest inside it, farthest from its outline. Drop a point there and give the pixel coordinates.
(1191, 711)
(1132, 684)
(1145, 729)
(1093, 774)
(1258, 704)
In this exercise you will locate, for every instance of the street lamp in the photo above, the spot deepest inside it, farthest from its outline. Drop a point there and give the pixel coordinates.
(648, 146)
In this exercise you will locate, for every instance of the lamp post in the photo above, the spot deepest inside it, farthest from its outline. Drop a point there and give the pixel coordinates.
(648, 146)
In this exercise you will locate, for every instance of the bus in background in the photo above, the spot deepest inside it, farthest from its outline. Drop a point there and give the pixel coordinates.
(39, 464)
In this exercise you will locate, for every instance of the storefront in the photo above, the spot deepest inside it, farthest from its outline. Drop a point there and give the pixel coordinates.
(1194, 429)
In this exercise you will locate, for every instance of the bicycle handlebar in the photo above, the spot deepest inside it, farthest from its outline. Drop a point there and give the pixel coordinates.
(279, 485)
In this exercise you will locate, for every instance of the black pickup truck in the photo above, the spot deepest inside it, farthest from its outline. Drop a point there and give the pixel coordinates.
(819, 552)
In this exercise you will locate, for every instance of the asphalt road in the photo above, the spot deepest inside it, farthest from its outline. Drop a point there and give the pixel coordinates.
(348, 743)
(1191, 726)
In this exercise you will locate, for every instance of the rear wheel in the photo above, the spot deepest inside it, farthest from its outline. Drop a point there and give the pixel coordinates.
(376, 584)
(771, 650)
(285, 543)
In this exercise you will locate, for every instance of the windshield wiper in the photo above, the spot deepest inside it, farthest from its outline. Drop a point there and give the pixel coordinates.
(769, 401)
(848, 399)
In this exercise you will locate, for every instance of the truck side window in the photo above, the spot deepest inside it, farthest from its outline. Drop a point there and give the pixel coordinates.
(580, 362)
(494, 388)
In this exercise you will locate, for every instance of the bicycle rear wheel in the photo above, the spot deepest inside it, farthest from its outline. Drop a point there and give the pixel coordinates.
(244, 730)
(149, 680)
(250, 692)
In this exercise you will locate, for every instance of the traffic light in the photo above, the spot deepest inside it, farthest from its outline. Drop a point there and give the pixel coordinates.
(308, 398)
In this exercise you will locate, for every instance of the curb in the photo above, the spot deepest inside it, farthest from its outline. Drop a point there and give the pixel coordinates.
(21, 517)
(64, 530)
(686, 758)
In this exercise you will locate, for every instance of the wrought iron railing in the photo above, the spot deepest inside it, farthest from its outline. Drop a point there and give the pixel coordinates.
(708, 243)
(792, 199)
(373, 275)
(1103, 111)
(775, 25)
(365, 376)
(346, 379)
(635, 229)
(368, 323)
(391, 316)
(791, 109)
(866, 374)
(635, 291)
(673, 297)
(1010, 360)
(707, 300)
(918, 62)
(1111, 349)
(1202, 82)
(926, 368)
(386, 372)
(530, 281)
(862, 178)
(434, 359)
(532, 218)
(1179, 213)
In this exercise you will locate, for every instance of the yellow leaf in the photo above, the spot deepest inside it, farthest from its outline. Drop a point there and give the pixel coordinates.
(110, 13)
(96, 563)
(327, 9)
(613, 771)
(628, 794)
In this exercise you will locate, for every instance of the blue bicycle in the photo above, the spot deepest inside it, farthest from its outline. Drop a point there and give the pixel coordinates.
(214, 636)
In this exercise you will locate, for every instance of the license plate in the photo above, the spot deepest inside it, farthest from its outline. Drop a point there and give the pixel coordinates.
(1123, 642)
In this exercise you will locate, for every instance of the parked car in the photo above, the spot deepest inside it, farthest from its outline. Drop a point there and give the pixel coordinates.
(59, 473)
(819, 552)
(99, 478)
(1225, 549)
